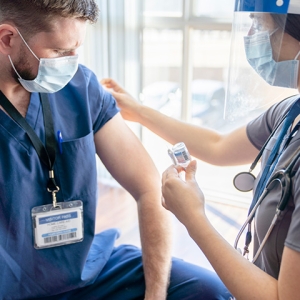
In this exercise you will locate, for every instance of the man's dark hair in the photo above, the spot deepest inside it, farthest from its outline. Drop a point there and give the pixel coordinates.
(290, 23)
(33, 16)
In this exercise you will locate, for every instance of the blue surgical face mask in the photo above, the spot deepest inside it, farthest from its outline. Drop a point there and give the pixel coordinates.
(259, 55)
(53, 73)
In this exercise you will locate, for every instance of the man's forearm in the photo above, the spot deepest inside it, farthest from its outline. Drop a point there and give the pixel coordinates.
(155, 231)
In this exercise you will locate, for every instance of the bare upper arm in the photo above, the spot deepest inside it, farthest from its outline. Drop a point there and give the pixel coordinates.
(288, 281)
(125, 157)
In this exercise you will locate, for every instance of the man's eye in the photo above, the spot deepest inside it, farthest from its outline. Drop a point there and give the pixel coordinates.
(64, 52)
(61, 53)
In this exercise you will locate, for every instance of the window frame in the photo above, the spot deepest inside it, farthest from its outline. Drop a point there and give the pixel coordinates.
(187, 23)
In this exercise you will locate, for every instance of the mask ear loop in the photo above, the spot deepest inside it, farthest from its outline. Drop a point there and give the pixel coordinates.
(28, 49)
(26, 44)
(14, 67)
(271, 33)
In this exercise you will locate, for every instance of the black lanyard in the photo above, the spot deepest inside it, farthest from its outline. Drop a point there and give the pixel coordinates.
(46, 153)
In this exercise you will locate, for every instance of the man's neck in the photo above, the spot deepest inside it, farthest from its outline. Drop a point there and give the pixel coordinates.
(17, 95)
(11, 88)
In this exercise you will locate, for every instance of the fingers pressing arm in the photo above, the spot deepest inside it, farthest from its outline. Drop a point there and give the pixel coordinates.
(130, 108)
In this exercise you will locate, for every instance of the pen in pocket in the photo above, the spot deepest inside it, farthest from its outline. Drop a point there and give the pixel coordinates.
(60, 140)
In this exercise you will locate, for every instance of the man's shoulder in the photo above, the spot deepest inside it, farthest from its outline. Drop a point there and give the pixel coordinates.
(85, 72)
(85, 81)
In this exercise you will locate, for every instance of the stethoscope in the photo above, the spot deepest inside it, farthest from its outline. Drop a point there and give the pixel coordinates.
(244, 181)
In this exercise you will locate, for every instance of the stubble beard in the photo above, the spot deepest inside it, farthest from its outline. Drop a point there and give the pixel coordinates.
(23, 66)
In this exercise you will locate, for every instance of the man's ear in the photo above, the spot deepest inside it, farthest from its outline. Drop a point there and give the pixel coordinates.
(8, 33)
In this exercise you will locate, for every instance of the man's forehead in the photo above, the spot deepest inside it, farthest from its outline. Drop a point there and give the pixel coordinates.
(63, 35)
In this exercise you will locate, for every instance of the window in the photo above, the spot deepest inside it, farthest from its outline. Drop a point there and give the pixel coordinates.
(166, 8)
(162, 67)
(213, 8)
(185, 63)
(172, 55)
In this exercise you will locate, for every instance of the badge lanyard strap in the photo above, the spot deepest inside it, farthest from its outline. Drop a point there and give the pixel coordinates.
(46, 153)
(271, 162)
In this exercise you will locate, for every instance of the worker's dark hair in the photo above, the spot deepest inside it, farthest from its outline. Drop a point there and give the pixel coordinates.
(290, 23)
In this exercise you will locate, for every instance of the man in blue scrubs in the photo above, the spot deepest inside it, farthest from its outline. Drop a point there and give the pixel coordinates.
(59, 119)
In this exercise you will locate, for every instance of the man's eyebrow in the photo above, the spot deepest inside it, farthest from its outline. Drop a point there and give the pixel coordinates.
(69, 49)
(64, 49)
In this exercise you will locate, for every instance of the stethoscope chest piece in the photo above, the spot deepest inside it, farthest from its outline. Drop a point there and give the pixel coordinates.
(244, 181)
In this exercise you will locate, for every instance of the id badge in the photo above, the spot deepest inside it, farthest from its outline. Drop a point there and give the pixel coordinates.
(57, 226)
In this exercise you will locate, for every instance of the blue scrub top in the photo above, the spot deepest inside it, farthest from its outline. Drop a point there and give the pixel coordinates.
(79, 110)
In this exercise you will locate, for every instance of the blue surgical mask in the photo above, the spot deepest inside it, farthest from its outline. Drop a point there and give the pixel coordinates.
(259, 55)
(53, 73)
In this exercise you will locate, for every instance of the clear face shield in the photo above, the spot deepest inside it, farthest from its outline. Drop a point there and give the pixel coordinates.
(264, 64)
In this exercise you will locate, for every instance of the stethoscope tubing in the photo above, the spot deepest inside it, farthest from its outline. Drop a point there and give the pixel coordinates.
(279, 208)
(249, 218)
(262, 244)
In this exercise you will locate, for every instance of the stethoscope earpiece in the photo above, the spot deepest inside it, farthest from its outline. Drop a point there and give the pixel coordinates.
(244, 181)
